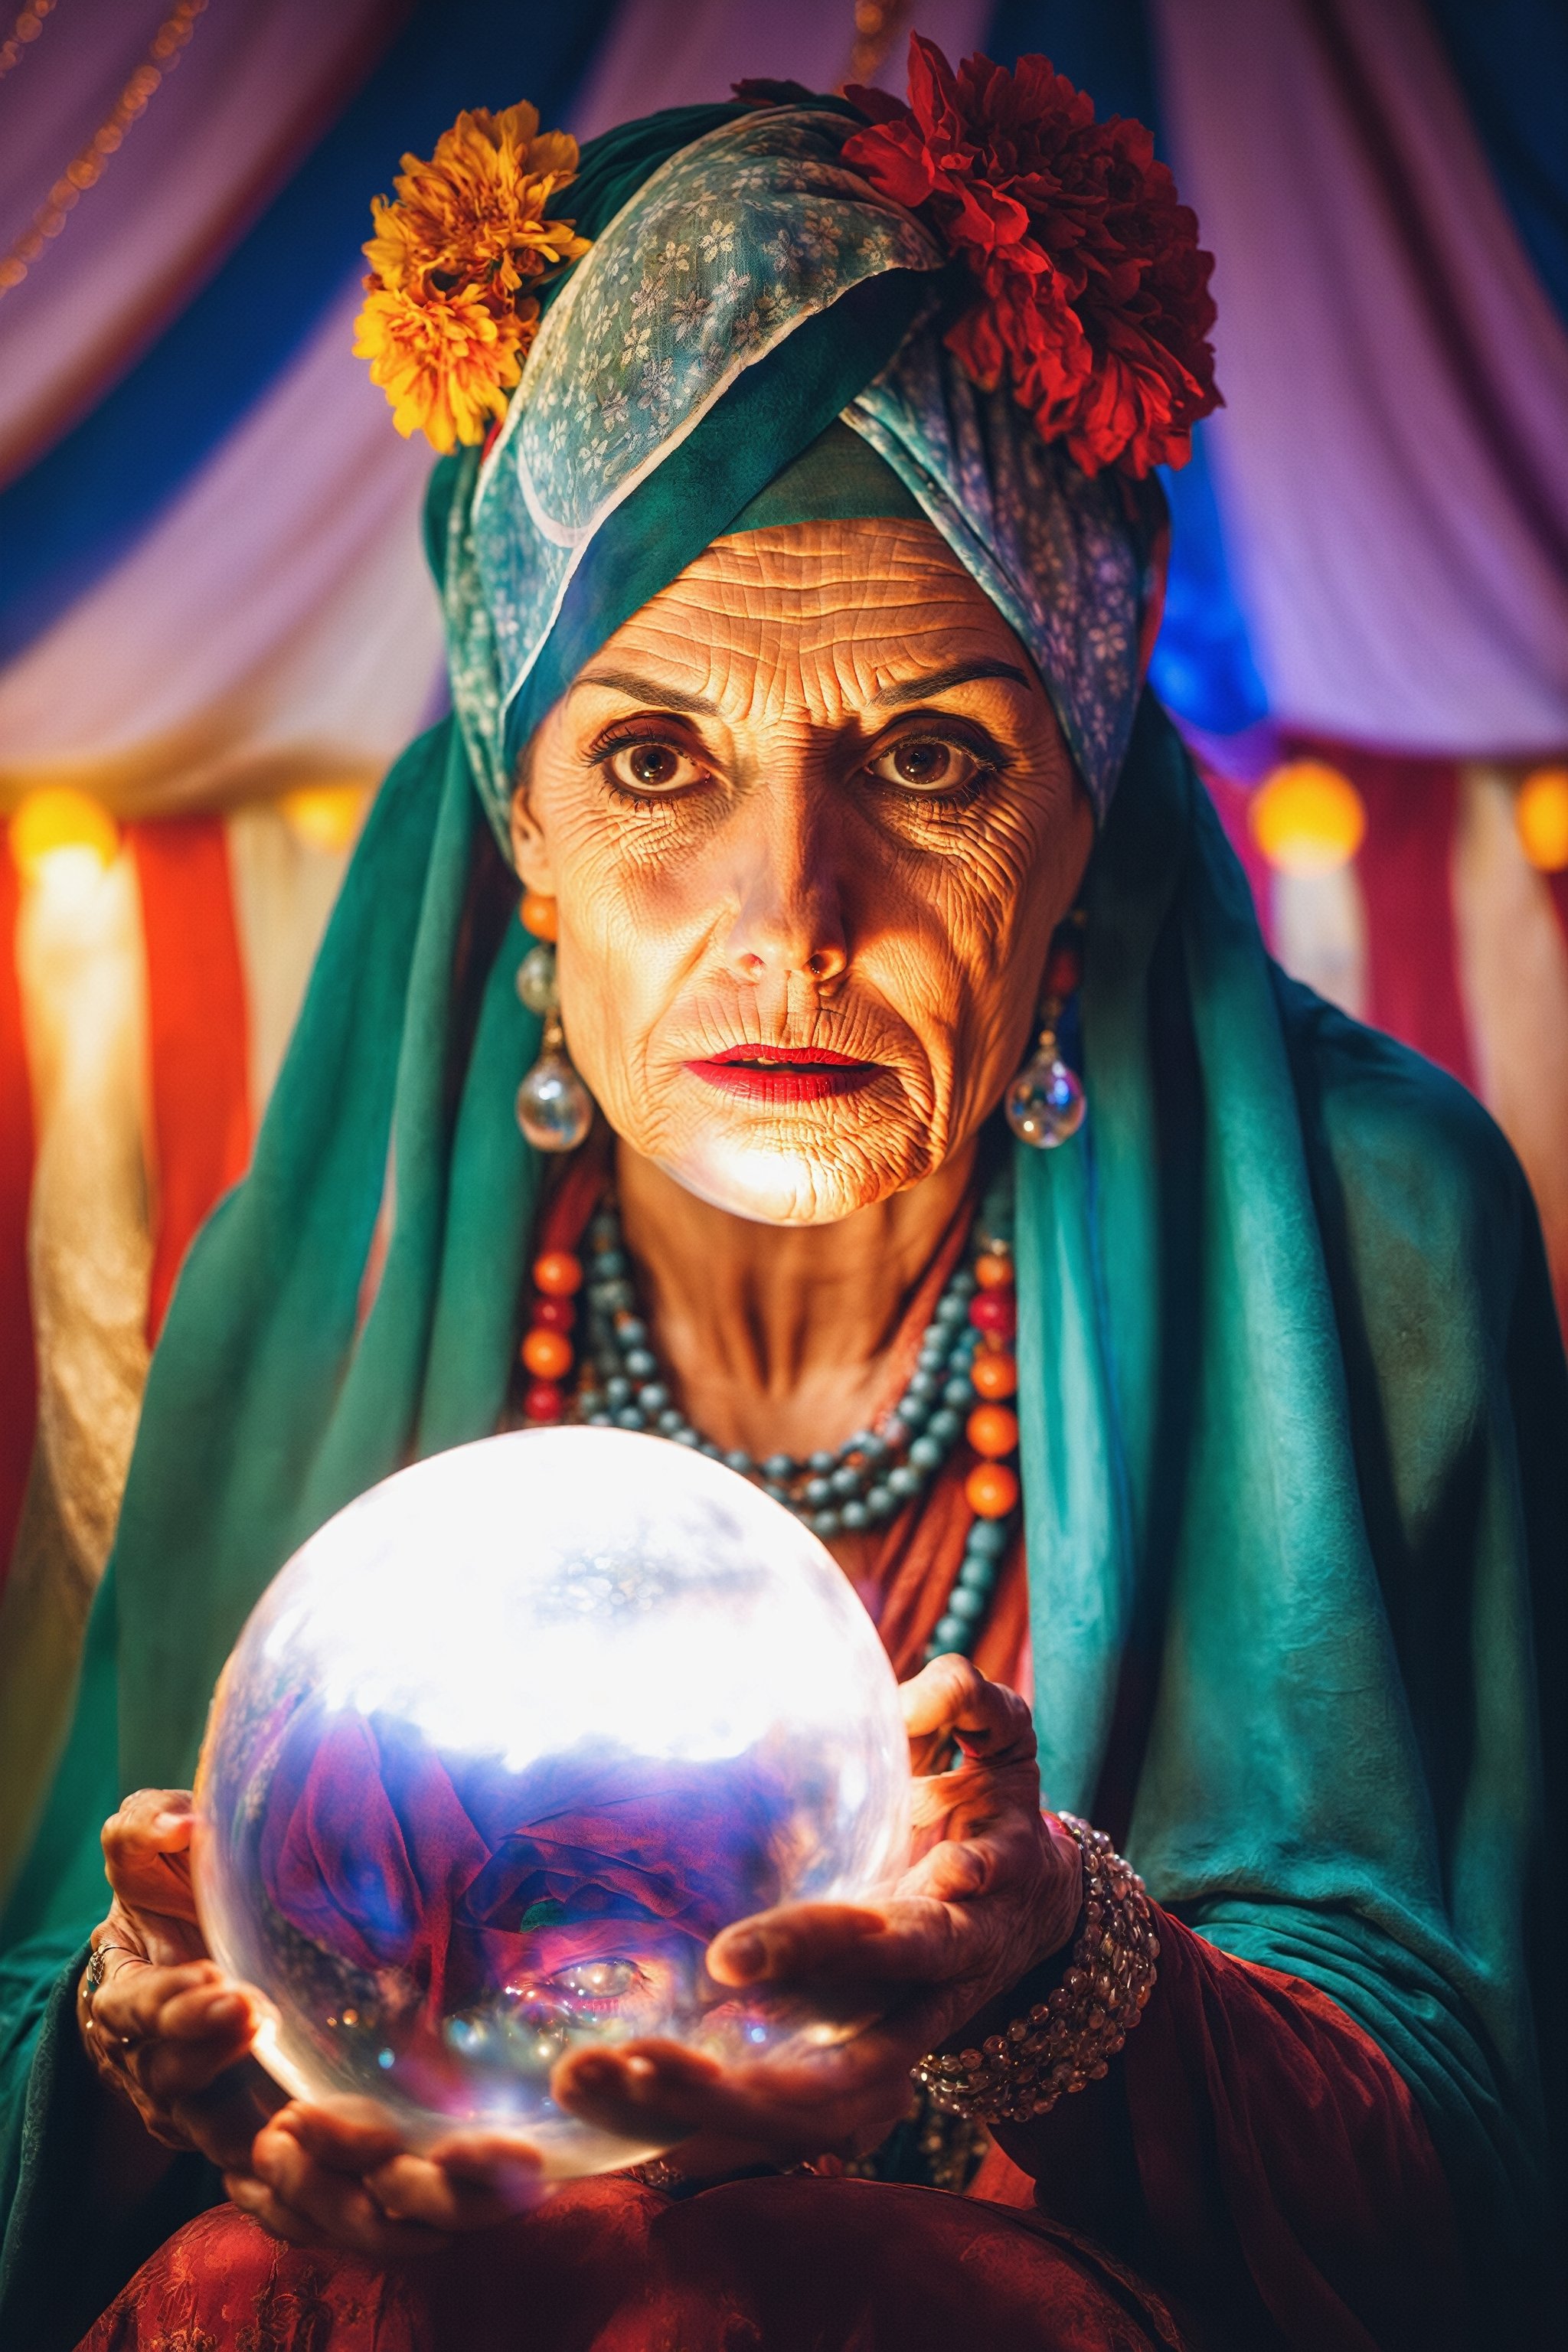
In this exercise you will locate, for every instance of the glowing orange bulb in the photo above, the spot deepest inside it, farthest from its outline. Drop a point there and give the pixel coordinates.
(1308, 818)
(1540, 813)
(325, 816)
(57, 819)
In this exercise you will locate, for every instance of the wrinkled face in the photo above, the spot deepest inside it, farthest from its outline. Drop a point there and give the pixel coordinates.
(810, 823)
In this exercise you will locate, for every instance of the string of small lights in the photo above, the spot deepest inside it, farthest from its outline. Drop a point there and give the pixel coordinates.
(23, 34)
(878, 24)
(87, 168)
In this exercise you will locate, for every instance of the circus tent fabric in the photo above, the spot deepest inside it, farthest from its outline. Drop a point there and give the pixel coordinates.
(215, 621)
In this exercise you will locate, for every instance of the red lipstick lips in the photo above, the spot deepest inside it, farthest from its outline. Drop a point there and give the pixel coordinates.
(783, 1074)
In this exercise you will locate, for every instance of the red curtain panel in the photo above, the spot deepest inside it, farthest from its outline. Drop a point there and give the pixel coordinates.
(199, 1082)
(1412, 950)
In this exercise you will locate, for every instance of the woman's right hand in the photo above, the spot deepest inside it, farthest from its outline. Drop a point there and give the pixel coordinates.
(168, 2031)
(163, 2026)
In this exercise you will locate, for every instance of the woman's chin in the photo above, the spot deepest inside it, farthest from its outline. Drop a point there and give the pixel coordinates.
(777, 1183)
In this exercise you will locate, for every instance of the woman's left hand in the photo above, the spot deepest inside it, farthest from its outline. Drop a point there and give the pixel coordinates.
(995, 1887)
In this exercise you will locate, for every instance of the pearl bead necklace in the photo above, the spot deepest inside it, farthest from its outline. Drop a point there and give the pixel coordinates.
(964, 1378)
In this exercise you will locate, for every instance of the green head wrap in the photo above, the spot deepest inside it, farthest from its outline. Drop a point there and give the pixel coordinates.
(838, 478)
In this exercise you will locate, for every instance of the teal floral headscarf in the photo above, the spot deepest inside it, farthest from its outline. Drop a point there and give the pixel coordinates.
(750, 291)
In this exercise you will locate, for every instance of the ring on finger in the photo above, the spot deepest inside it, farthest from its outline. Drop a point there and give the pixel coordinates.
(93, 1975)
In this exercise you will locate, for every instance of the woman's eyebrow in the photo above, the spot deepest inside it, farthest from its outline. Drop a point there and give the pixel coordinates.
(938, 681)
(647, 690)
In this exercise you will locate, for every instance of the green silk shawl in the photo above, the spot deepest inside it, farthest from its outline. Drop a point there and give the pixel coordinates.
(1293, 1404)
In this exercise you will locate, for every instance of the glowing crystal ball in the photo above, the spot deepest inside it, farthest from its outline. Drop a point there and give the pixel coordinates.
(505, 1744)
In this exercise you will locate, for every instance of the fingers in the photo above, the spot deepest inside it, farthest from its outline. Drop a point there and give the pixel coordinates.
(178, 2028)
(351, 2135)
(659, 2094)
(468, 2182)
(800, 1939)
(172, 2041)
(490, 2161)
(844, 1955)
(146, 1851)
(139, 1933)
(135, 1994)
(639, 2093)
(253, 2197)
(157, 1819)
(953, 1697)
(181, 2065)
(211, 2009)
(310, 2203)
(348, 2221)
(222, 2118)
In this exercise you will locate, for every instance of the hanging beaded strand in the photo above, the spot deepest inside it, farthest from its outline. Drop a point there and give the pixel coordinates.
(962, 1377)
(547, 1353)
(990, 1488)
(865, 1482)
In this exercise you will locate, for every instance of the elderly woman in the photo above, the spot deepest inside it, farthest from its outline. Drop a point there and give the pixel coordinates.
(798, 607)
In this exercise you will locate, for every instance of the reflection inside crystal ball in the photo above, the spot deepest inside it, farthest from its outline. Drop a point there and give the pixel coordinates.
(504, 1747)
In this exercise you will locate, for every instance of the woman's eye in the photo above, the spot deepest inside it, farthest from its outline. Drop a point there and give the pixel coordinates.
(598, 1980)
(926, 763)
(653, 768)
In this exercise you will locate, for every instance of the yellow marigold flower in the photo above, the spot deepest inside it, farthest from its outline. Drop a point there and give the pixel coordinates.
(475, 214)
(445, 362)
(446, 323)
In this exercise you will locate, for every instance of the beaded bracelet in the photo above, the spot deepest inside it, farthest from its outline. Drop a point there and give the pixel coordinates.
(1070, 2039)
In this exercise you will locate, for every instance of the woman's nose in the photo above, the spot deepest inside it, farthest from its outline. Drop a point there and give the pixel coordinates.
(822, 963)
(789, 921)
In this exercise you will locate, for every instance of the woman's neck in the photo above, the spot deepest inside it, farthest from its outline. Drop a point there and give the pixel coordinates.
(778, 1335)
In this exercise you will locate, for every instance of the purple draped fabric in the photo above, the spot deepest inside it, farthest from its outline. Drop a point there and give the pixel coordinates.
(217, 135)
(1393, 462)
(461, 1873)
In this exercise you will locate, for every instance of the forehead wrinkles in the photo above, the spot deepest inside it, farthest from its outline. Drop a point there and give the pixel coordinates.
(770, 631)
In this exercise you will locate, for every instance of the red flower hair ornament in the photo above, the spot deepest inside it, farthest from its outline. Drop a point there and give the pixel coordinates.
(1094, 297)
